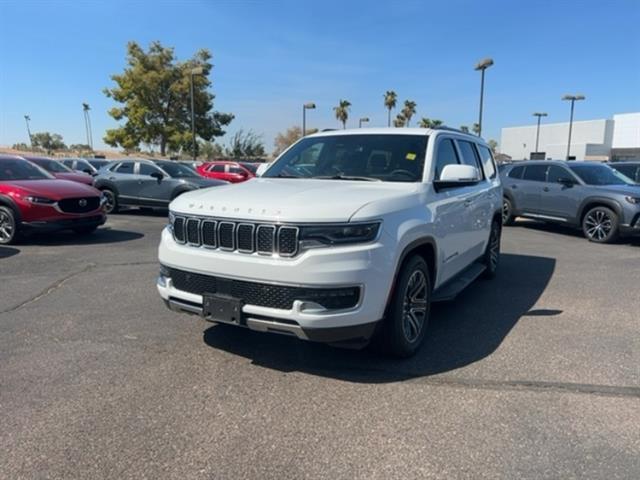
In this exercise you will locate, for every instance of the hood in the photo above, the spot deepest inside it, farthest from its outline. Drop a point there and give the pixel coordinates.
(291, 200)
(75, 177)
(55, 189)
(205, 182)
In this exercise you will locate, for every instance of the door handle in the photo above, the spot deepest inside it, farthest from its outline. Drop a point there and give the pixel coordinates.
(545, 189)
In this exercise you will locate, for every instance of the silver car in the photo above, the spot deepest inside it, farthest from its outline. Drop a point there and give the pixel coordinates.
(587, 195)
(147, 183)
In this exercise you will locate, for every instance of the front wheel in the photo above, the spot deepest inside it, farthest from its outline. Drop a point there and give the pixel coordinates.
(491, 258)
(8, 226)
(600, 225)
(507, 212)
(403, 330)
(111, 201)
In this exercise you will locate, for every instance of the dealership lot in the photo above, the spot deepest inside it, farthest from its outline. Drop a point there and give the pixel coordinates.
(534, 375)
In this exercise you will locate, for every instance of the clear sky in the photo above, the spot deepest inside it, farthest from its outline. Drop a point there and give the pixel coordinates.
(271, 56)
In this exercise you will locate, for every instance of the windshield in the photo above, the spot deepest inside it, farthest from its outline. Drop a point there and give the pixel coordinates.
(21, 170)
(600, 175)
(177, 170)
(52, 165)
(382, 157)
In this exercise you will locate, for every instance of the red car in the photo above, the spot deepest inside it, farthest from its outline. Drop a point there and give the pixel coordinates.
(31, 199)
(233, 172)
(61, 171)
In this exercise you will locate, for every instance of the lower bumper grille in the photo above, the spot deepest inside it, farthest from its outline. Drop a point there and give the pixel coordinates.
(262, 294)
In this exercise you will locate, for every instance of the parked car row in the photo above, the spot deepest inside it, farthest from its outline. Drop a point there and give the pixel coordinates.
(601, 199)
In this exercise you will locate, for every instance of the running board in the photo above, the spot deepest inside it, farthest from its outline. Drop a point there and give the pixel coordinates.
(452, 288)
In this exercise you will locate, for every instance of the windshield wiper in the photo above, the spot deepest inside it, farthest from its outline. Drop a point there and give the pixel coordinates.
(348, 177)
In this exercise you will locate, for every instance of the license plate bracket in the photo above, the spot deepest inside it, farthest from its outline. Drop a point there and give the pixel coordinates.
(222, 308)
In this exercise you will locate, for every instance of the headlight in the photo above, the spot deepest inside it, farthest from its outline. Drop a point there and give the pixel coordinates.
(634, 200)
(322, 235)
(40, 200)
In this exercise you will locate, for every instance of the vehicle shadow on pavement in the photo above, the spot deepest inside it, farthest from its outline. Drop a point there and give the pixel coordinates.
(6, 252)
(461, 332)
(100, 236)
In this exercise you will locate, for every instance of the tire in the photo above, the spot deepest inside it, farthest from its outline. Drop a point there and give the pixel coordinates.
(507, 212)
(401, 333)
(85, 230)
(491, 257)
(601, 225)
(112, 201)
(8, 226)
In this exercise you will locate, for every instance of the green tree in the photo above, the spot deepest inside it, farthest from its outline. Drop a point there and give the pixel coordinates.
(48, 141)
(210, 150)
(154, 93)
(342, 112)
(399, 121)
(390, 100)
(409, 110)
(464, 128)
(476, 128)
(21, 146)
(429, 123)
(245, 145)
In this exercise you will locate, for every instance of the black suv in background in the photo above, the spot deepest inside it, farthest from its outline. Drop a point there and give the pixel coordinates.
(147, 183)
(629, 169)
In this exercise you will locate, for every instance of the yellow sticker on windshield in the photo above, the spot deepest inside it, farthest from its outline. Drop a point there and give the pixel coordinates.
(411, 156)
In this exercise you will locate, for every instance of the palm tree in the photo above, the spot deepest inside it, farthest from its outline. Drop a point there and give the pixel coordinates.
(424, 122)
(464, 128)
(408, 110)
(399, 121)
(436, 123)
(390, 98)
(342, 112)
(476, 128)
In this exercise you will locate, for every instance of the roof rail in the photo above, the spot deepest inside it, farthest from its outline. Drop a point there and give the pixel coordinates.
(450, 129)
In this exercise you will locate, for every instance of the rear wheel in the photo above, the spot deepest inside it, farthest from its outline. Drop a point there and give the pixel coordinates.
(403, 330)
(8, 226)
(600, 225)
(111, 201)
(507, 212)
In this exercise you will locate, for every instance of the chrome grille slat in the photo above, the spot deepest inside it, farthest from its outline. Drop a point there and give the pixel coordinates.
(236, 236)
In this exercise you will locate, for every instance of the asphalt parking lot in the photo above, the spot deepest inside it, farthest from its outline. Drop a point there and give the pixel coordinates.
(535, 374)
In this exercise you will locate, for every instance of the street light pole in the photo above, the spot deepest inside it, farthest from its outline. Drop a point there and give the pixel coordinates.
(482, 65)
(362, 120)
(87, 124)
(538, 114)
(27, 118)
(305, 107)
(192, 72)
(572, 99)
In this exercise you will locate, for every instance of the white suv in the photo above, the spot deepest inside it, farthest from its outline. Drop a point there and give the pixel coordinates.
(347, 237)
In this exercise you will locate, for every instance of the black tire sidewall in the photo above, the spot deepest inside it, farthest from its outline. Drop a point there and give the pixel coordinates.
(489, 272)
(613, 234)
(12, 216)
(398, 344)
(112, 194)
(509, 219)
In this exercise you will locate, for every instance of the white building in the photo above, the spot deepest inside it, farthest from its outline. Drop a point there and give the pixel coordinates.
(616, 139)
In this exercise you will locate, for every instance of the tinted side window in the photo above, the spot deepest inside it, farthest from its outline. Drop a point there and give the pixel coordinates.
(628, 170)
(446, 156)
(146, 169)
(125, 167)
(535, 173)
(68, 163)
(469, 155)
(217, 168)
(235, 170)
(487, 161)
(516, 172)
(556, 173)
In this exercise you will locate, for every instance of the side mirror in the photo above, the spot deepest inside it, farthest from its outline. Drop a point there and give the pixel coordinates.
(157, 175)
(457, 176)
(567, 182)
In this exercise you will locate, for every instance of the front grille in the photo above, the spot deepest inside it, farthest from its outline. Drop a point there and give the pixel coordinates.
(266, 239)
(79, 205)
(262, 294)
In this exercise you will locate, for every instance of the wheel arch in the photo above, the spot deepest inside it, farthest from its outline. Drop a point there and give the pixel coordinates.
(592, 202)
(6, 201)
(103, 184)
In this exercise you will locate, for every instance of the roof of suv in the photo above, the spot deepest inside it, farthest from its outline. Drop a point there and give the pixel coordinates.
(396, 131)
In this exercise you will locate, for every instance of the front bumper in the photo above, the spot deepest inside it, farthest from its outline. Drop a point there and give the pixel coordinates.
(63, 223)
(632, 228)
(369, 267)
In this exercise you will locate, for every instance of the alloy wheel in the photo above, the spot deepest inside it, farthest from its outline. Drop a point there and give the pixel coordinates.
(414, 306)
(506, 211)
(6, 227)
(110, 201)
(598, 225)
